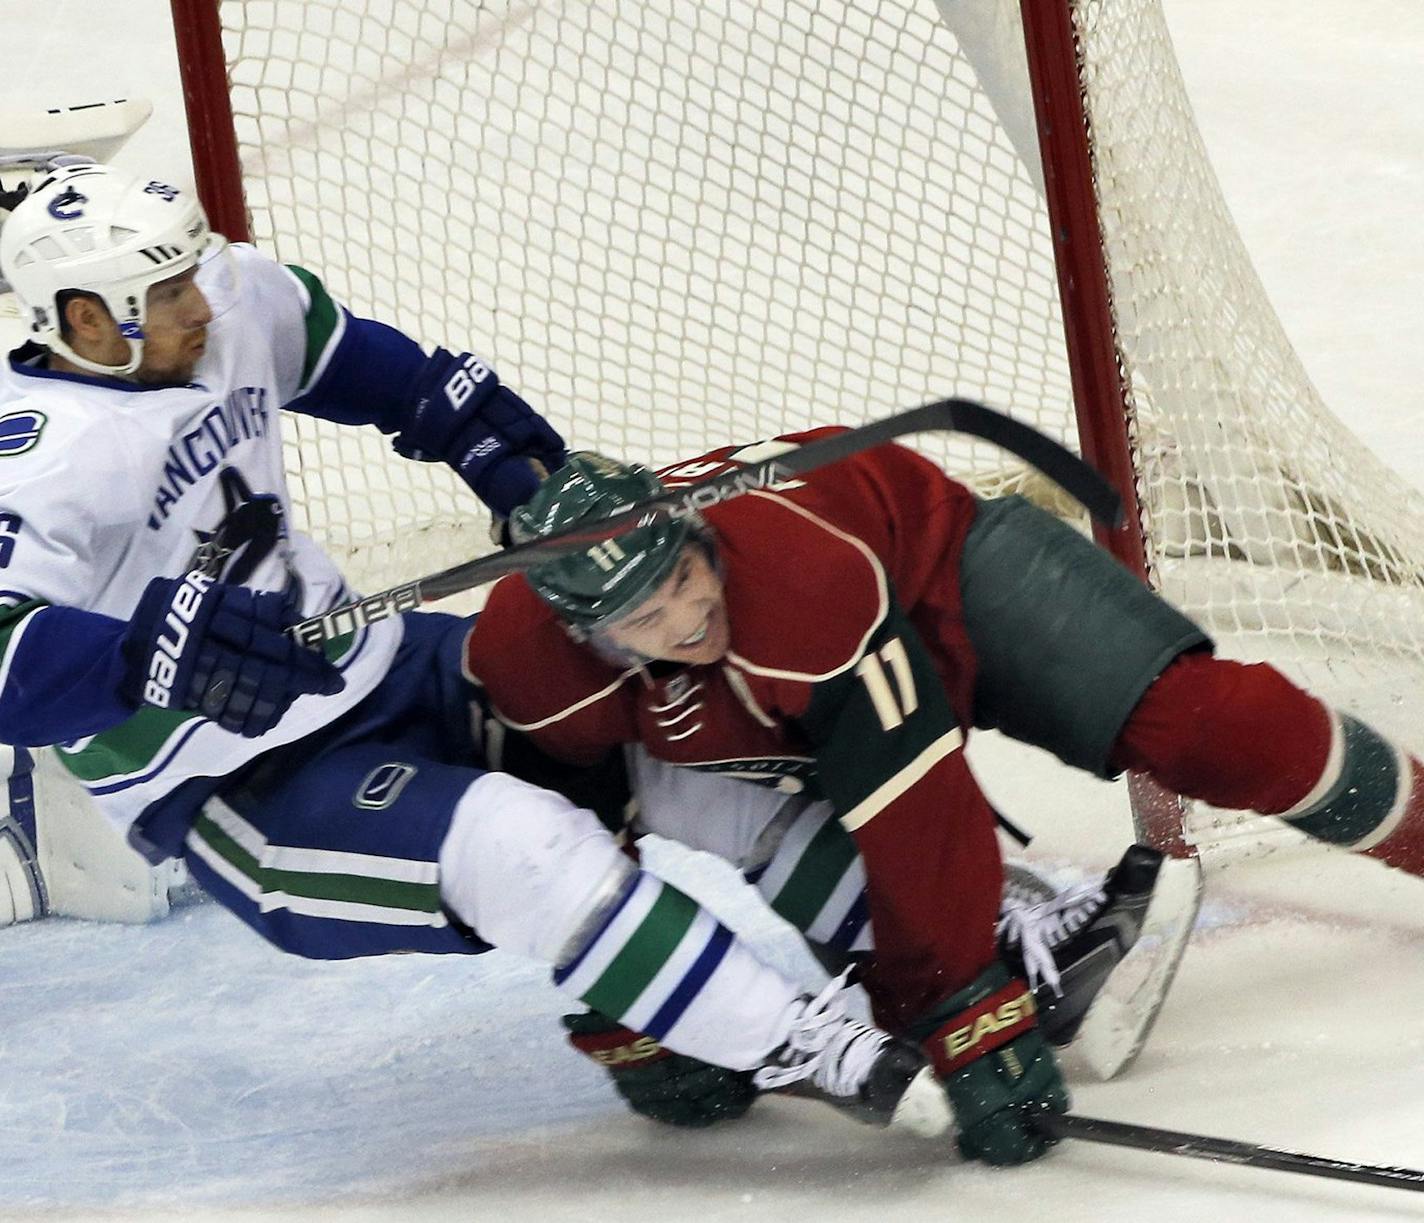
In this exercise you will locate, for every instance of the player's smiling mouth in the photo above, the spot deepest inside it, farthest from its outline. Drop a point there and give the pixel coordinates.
(699, 636)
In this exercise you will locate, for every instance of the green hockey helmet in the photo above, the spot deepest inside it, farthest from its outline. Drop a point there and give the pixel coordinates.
(607, 580)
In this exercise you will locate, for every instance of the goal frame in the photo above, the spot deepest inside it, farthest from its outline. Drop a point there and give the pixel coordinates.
(1100, 390)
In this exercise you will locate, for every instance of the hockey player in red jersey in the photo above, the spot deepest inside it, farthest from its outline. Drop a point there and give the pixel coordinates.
(840, 634)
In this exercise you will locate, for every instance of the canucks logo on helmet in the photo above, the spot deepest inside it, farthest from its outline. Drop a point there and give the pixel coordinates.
(608, 579)
(68, 205)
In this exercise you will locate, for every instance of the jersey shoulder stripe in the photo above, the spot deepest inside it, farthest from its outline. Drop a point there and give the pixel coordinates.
(752, 656)
(325, 324)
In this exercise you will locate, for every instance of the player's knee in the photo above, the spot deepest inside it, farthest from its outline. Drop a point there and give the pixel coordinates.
(527, 870)
(1235, 734)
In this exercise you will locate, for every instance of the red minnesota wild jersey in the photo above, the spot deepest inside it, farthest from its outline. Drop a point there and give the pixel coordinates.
(849, 675)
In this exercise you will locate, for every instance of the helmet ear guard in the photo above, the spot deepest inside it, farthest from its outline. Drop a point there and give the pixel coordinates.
(96, 229)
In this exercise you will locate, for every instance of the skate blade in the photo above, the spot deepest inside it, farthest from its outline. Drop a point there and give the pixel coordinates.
(1121, 1018)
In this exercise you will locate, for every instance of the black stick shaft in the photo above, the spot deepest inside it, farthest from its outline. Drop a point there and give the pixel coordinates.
(953, 415)
(1225, 1150)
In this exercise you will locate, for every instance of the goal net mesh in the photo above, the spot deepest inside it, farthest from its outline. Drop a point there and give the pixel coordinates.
(670, 230)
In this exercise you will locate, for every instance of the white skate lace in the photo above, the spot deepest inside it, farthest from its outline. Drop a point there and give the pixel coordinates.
(1039, 928)
(826, 1046)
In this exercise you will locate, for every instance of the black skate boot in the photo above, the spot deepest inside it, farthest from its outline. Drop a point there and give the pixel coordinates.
(1067, 944)
(857, 1067)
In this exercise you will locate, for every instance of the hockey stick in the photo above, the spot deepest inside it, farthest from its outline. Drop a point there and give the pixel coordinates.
(1056, 462)
(1224, 1150)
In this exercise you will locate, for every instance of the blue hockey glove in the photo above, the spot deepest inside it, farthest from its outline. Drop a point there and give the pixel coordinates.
(657, 1083)
(195, 643)
(461, 414)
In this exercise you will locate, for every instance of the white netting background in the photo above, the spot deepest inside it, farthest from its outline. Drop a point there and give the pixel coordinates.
(1268, 519)
(668, 231)
(673, 230)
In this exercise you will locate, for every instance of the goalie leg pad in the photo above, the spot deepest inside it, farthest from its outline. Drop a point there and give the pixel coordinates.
(20, 886)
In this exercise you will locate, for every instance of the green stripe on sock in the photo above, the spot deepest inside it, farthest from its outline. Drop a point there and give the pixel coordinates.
(643, 955)
(1362, 798)
(823, 864)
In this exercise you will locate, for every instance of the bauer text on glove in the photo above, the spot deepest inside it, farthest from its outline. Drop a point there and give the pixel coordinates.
(194, 643)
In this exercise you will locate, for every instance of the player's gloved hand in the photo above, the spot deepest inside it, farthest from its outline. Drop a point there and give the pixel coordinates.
(461, 414)
(656, 1082)
(996, 1067)
(222, 650)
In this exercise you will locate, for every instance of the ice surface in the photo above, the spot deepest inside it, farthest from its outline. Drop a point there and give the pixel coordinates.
(186, 1070)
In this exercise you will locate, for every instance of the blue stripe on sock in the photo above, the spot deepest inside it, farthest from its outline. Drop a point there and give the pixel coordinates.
(852, 924)
(696, 977)
(562, 974)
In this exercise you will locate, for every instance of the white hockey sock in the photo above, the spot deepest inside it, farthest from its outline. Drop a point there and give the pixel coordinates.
(530, 872)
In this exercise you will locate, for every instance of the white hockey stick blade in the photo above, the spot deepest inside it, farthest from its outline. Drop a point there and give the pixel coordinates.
(1122, 1016)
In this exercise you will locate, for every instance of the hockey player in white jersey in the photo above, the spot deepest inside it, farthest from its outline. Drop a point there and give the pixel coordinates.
(148, 575)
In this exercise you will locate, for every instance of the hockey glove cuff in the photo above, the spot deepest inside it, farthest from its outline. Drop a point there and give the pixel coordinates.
(194, 643)
(656, 1082)
(996, 1067)
(461, 414)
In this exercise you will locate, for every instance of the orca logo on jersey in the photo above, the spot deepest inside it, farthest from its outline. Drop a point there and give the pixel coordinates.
(20, 431)
(168, 651)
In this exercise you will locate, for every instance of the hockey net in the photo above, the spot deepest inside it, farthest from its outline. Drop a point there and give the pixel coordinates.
(674, 229)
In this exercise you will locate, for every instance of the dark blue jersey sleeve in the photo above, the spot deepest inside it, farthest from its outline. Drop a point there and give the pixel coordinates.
(368, 377)
(59, 674)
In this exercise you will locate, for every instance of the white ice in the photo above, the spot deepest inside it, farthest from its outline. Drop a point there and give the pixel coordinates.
(185, 1070)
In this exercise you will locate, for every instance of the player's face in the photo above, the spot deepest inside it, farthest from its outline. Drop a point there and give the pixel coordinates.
(175, 331)
(684, 620)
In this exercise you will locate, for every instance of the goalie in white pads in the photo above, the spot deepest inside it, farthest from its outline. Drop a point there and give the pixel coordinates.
(148, 576)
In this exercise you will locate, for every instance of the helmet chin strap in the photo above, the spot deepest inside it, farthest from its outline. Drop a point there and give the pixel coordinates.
(55, 344)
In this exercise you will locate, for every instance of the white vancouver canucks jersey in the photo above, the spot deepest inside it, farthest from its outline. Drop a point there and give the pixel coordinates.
(105, 485)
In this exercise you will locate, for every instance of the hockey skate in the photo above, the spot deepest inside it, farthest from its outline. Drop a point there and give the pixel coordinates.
(1101, 956)
(856, 1067)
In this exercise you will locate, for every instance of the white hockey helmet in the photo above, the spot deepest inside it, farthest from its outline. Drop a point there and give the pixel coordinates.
(96, 228)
